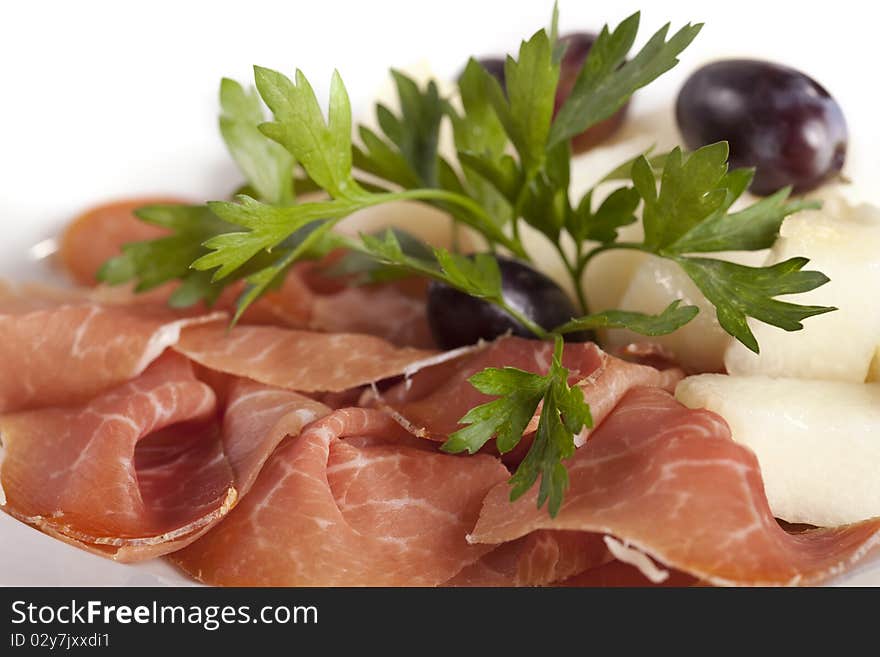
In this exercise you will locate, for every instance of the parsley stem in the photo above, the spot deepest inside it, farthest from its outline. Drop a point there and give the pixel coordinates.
(535, 328)
(574, 271)
(632, 246)
(515, 227)
(471, 206)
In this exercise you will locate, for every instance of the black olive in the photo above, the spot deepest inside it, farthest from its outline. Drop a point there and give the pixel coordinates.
(458, 319)
(775, 118)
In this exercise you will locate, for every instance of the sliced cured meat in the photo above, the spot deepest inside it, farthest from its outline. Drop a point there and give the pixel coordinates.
(144, 468)
(670, 482)
(70, 471)
(256, 419)
(298, 360)
(433, 401)
(98, 235)
(59, 352)
(344, 504)
(307, 300)
(618, 573)
(384, 310)
(538, 559)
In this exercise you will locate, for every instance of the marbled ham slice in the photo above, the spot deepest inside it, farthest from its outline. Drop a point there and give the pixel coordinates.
(619, 574)
(298, 360)
(432, 402)
(670, 482)
(390, 311)
(98, 234)
(538, 559)
(144, 468)
(59, 352)
(344, 504)
(307, 300)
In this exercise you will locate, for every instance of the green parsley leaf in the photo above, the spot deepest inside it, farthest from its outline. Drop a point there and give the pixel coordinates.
(268, 226)
(155, 262)
(564, 414)
(543, 200)
(690, 191)
(387, 250)
(751, 229)
(526, 110)
(417, 130)
(383, 161)
(505, 418)
(323, 148)
(605, 82)
(306, 237)
(365, 268)
(617, 210)
(503, 173)
(491, 175)
(738, 291)
(671, 319)
(624, 171)
(409, 157)
(478, 276)
(267, 167)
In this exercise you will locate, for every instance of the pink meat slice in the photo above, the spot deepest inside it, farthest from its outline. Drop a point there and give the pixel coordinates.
(433, 401)
(144, 468)
(389, 311)
(345, 503)
(670, 482)
(61, 351)
(540, 558)
(383, 310)
(620, 574)
(305, 361)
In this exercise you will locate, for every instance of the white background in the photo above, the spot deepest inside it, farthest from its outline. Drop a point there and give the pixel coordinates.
(107, 99)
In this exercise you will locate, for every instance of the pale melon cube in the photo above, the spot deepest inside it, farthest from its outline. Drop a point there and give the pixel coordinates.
(874, 369)
(843, 242)
(818, 442)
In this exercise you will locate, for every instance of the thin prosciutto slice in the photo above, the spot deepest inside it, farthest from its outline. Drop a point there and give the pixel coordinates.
(145, 467)
(538, 559)
(56, 351)
(346, 504)
(669, 481)
(433, 400)
(98, 234)
(298, 360)
(307, 300)
(390, 311)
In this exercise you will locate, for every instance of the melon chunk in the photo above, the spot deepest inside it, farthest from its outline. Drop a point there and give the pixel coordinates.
(818, 442)
(843, 242)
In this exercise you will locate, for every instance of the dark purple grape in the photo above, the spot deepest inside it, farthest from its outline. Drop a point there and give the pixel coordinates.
(458, 319)
(775, 118)
(578, 45)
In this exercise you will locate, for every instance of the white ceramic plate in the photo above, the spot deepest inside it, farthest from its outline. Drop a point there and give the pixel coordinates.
(106, 99)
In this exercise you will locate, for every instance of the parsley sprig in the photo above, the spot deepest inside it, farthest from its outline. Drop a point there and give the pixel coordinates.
(563, 415)
(511, 167)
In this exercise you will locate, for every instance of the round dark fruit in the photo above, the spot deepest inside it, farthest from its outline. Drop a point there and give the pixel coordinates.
(458, 319)
(775, 118)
